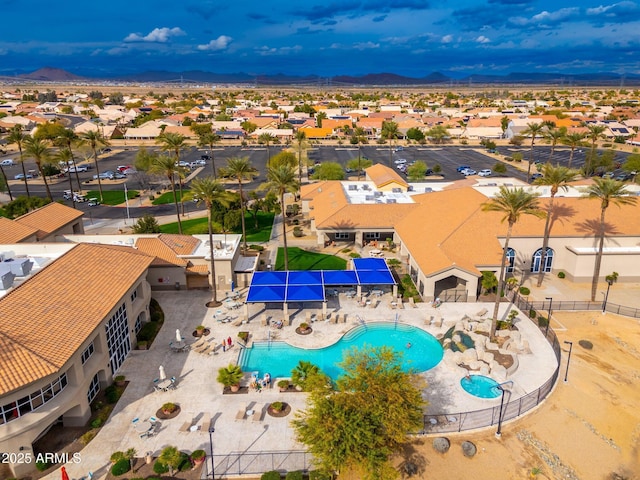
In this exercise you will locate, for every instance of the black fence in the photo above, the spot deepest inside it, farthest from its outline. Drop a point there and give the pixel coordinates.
(543, 307)
(512, 408)
(256, 463)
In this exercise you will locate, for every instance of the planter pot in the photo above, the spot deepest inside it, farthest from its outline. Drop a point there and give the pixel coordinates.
(199, 461)
(235, 388)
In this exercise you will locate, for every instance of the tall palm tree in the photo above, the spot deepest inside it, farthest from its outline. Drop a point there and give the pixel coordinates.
(595, 133)
(166, 165)
(240, 169)
(301, 138)
(6, 182)
(67, 138)
(208, 190)
(573, 140)
(39, 151)
(607, 191)
(390, 132)
(532, 129)
(557, 178)
(18, 137)
(95, 139)
(266, 138)
(359, 134)
(64, 155)
(553, 136)
(281, 179)
(172, 142)
(512, 203)
(209, 139)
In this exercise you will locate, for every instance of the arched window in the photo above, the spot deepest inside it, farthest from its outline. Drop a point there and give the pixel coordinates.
(548, 260)
(511, 260)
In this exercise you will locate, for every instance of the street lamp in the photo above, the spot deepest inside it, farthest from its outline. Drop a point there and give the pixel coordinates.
(566, 373)
(499, 431)
(211, 431)
(548, 315)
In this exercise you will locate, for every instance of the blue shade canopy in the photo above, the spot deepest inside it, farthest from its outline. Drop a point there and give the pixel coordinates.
(305, 277)
(305, 293)
(268, 293)
(375, 277)
(370, 264)
(269, 278)
(340, 277)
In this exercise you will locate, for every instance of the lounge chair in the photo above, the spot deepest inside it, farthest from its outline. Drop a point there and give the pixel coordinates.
(207, 349)
(307, 317)
(334, 318)
(242, 412)
(287, 320)
(412, 302)
(374, 303)
(482, 312)
(237, 322)
(198, 343)
(257, 413)
(263, 320)
(203, 347)
(344, 318)
(391, 305)
(400, 303)
(186, 427)
(205, 422)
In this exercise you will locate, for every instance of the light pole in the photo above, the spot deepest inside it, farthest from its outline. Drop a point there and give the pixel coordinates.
(566, 373)
(548, 315)
(499, 431)
(211, 431)
(610, 282)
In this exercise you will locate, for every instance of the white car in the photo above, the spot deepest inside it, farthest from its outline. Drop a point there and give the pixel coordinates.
(182, 163)
(485, 173)
(78, 168)
(468, 171)
(400, 161)
(7, 162)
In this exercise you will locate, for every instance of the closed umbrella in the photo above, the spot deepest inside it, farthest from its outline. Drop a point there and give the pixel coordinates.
(65, 475)
(178, 336)
(163, 376)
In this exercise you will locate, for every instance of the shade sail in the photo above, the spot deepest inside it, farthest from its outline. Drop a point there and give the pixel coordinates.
(305, 293)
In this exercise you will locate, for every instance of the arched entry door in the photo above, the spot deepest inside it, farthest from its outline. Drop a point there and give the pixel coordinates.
(537, 257)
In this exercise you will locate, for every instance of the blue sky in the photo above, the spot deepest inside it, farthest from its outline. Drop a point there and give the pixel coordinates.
(327, 38)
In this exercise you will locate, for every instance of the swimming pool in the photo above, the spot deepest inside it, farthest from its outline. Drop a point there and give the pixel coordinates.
(480, 386)
(279, 358)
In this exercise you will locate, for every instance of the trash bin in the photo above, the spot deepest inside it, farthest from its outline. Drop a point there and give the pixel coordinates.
(177, 285)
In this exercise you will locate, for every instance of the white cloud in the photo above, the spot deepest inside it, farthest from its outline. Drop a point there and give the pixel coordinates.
(216, 44)
(482, 39)
(366, 45)
(545, 17)
(267, 51)
(606, 8)
(157, 35)
(447, 39)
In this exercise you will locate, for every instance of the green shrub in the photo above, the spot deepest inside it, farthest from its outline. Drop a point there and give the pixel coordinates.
(96, 423)
(561, 275)
(111, 394)
(502, 325)
(120, 467)
(160, 468)
(297, 232)
(116, 457)
(277, 406)
(272, 475)
(257, 248)
(354, 255)
(152, 198)
(524, 291)
(155, 311)
(297, 475)
(532, 313)
(319, 475)
(42, 466)
(198, 454)
(148, 331)
(543, 321)
(88, 436)
(244, 336)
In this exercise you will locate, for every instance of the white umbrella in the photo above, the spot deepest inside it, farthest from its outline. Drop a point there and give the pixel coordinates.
(163, 376)
(178, 336)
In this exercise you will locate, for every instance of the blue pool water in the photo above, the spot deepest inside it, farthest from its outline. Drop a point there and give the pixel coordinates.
(279, 358)
(481, 386)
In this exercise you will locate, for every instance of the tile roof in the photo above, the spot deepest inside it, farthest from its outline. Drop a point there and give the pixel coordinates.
(49, 218)
(198, 269)
(14, 232)
(163, 253)
(381, 176)
(45, 320)
(181, 244)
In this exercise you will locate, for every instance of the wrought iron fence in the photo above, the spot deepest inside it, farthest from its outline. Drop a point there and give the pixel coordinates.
(457, 422)
(252, 463)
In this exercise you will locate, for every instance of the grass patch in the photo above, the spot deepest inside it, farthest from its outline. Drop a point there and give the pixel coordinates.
(198, 226)
(112, 197)
(303, 260)
(167, 197)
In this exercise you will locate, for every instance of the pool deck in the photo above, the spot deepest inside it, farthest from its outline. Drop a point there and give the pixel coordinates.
(199, 394)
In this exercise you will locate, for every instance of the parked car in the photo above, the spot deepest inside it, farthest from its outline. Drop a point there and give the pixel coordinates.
(623, 177)
(400, 161)
(119, 175)
(93, 202)
(7, 162)
(122, 168)
(205, 157)
(399, 149)
(468, 171)
(485, 173)
(20, 176)
(462, 167)
(535, 176)
(129, 171)
(107, 175)
(197, 163)
(608, 175)
(182, 163)
(77, 168)
(106, 150)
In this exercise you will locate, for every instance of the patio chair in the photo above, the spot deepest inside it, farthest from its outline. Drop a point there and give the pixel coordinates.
(391, 305)
(242, 412)
(208, 348)
(257, 413)
(153, 420)
(135, 420)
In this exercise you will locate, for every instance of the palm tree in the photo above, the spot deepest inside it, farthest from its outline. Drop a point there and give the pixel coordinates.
(280, 180)
(165, 165)
(573, 140)
(301, 138)
(390, 131)
(512, 203)
(359, 134)
(64, 155)
(595, 134)
(208, 190)
(266, 138)
(18, 137)
(532, 129)
(557, 178)
(39, 151)
(95, 139)
(553, 136)
(209, 139)
(172, 142)
(240, 169)
(607, 191)
(67, 137)
(6, 182)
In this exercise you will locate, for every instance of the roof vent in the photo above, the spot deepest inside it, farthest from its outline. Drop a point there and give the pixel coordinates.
(396, 190)
(378, 194)
(428, 189)
(391, 200)
(353, 187)
(369, 198)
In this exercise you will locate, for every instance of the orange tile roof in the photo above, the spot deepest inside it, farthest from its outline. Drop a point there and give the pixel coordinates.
(49, 218)
(14, 232)
(382, 175)
(368, 215)
(181, 244)
(316, 132)
(162, 253)
(198, 269)
(45, 320)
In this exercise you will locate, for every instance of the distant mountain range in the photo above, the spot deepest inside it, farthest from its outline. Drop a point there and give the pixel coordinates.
(50, 74)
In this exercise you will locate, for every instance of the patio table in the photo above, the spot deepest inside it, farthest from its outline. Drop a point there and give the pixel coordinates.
(144, 426)
(164, 384)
